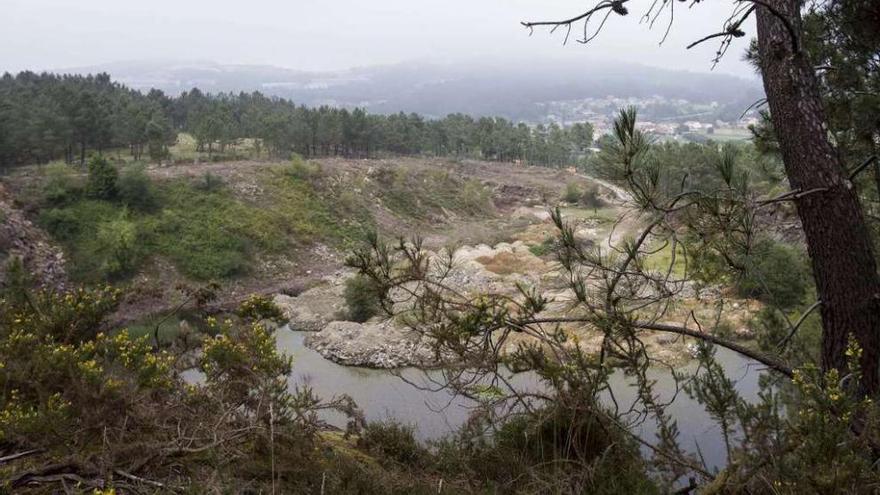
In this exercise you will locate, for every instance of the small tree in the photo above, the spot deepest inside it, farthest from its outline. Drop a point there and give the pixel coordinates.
(590, 198)
(572, 193)
(103, 178)
(361, 298)
(117, 241)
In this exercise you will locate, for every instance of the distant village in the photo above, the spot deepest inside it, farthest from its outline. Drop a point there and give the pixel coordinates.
(663, 118)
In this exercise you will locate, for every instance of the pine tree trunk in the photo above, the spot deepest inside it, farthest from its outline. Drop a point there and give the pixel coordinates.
(838, 239)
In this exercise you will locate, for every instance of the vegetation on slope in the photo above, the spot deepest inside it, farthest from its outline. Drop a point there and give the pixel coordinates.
(111, 222)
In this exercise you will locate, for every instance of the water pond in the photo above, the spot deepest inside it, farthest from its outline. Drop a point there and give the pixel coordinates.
(433, 413)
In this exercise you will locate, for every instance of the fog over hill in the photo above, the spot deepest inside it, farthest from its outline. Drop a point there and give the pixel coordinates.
(488, 87)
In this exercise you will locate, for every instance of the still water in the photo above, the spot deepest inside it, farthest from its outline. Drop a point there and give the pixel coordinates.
(384, 395)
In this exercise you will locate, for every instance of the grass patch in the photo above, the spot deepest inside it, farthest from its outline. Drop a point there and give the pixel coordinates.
(307, 210)
(661, 260)
(542, 249)
(427, 193)
(600, 215)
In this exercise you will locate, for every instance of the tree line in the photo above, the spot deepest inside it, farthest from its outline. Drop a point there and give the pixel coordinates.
(46, 117)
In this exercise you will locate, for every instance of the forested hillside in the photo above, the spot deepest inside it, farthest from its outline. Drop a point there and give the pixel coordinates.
(44, 117)
(515, 88)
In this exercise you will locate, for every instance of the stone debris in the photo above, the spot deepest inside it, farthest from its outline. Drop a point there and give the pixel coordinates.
(372, 345)
(20, 238)
(313, 309)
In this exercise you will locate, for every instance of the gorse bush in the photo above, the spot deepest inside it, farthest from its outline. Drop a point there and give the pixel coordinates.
(106, 410)
(543, 249)
(302, 170)
(259, 307)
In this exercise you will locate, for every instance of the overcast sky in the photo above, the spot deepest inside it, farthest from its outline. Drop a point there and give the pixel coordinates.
(336, 34)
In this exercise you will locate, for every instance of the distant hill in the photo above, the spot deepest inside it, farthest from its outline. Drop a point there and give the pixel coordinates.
(507, 89)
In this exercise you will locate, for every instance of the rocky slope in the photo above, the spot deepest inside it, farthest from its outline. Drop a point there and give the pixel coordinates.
(20, 238)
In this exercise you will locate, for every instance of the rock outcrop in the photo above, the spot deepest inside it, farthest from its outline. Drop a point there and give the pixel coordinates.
(313, 309)
(373, 345)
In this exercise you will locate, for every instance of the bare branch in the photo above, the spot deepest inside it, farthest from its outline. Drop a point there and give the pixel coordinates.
(861, 167)
(769, 361)
(794, 328)
(615, 6)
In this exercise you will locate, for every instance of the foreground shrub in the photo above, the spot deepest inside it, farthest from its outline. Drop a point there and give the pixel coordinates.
(554, 450)
(100, 410)
(260, 307)
(392, 441)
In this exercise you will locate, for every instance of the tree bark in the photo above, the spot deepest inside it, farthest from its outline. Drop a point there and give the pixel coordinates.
(838, 239)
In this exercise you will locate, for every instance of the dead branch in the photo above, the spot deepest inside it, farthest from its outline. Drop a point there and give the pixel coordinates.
(19, 455)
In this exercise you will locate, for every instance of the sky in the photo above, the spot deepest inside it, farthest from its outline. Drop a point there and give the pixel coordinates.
(339, 34)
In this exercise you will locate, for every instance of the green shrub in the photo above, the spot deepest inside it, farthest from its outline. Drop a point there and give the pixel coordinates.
(548, 451)
(775, 273)
(102, 180)
(61, 184)
(117, 245)
(210, 183)
(62, 223)
(302, 169)
(136, 188)
(572, 193)
(361, 299)
(392, 441)
(475, 198)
